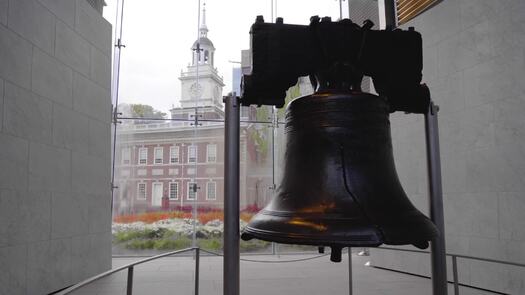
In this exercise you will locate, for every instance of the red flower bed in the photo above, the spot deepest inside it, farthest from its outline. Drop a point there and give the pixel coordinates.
(204, 214)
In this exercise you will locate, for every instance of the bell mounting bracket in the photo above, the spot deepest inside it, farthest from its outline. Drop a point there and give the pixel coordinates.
(336, 55)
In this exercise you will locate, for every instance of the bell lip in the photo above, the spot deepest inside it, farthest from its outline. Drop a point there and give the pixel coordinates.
(294, 239)
(301, 239)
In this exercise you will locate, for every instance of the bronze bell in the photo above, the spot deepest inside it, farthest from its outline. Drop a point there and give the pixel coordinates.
(340, 187)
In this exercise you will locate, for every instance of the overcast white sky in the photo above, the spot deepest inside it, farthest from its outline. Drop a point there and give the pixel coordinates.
(158, 35)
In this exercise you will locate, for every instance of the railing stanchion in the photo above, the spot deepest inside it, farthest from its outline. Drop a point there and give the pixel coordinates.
(197, 258)
(455, 274)
(129, 289)
(350, 279)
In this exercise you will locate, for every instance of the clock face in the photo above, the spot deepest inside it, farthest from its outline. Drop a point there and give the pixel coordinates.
(196, 90)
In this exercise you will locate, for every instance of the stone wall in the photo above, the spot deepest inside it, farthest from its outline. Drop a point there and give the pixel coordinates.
(474, 63)
(55, 218)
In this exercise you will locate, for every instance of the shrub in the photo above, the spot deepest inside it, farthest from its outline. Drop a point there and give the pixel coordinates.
(172, 244)
(209, 216)
(246, 216)
(125, 236)
(253, 245)
(140, 244)
(150, 217)
(253, 208)
(213, 244)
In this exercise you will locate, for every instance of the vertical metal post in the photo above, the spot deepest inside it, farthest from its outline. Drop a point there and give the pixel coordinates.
(438, 251)
(194, 180)
(350, 278)
(231, 196)
(115, 86)
(129, 289)
(275, 123)
(197, 261)
(341, 9)
(387, 14)
(271, 12)
(455, 274)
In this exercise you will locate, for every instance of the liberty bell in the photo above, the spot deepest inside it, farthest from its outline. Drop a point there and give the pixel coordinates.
(340, 187)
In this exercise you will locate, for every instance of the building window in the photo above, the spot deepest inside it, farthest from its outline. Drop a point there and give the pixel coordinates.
(143, 156)
(211, 191)
(141, 191)
(192, 154)
(211, 153)
(192, 191)
(174, 190)
(158, 155)
(126, 155)
(174, 154)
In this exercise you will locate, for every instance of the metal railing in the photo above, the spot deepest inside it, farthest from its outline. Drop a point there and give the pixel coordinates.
(130, 267)
(455, 257)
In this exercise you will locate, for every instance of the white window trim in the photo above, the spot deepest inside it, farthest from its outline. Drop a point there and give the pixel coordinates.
(177, 192)
(190, 147)
(145, 191)
(126, 151)
(214, 191)
(208, 153)
(138, 160)
(188, 192)
(174, 151)
(161, 149)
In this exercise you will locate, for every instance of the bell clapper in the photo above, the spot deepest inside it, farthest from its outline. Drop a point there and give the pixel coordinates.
(335, 254)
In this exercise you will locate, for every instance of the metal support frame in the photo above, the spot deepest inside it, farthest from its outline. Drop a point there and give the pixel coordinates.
(387, 14)
(129, 285)
(438, 250)
(197, 262)
(350, 279)
(115, 86)
(388, 19)
(455, 274)
(231, 281)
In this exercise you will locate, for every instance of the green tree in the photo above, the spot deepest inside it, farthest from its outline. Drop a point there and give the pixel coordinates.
(140, 111)
(261, 136)
(291, 94)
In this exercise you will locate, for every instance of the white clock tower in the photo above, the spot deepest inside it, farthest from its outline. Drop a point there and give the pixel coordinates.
(201, 85)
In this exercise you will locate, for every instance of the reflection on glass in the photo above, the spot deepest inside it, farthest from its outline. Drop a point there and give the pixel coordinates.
(169, 161)
(164, 169)
(153, 206)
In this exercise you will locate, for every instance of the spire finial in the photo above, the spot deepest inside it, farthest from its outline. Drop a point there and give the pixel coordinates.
(203, 28)
(204, 14)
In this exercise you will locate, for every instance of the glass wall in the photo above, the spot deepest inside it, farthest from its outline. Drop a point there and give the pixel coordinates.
(170, 184)
(178, 61)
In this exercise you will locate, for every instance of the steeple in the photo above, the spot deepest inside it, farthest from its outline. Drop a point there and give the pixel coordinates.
(201, 84)
(203, 49)
(203, 28)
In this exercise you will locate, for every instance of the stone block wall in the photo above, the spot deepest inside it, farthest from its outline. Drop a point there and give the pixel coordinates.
(55, 217)
(474, 64)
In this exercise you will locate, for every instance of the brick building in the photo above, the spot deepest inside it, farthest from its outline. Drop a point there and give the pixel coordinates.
(180, 163)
